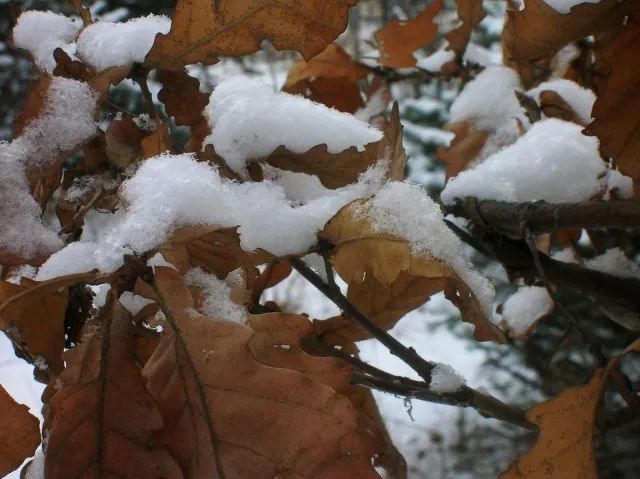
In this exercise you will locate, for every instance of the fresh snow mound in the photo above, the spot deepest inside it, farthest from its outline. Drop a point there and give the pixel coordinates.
(216, 299)
(106, 44)
(526, 306)
(564, 6)
(435, 61)
(553, 161)
(249, 121)
(489, 100)
(615, 262)
(42, 32)
(406, 210)
(170, 191)
(444, 379)
(580, 99)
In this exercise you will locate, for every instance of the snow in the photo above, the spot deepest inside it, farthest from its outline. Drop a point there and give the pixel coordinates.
(444, 379)
(427, 134)
(133, 302)
(216, 299)
(619, 184)
(42, 32)
(564, 6)
(65, 121)
(488, 101)
(580, 99)
(480, 55)
(249, 121)
(107, 44)
(406, 210)
(435, 61)
(553, 161)
(170, 191)
(615, 262)
(158, 260)
(522, 309)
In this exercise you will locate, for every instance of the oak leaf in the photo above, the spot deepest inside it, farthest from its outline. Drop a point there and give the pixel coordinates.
(100, 419)
(363, 255)
(470, 13)
(564, 449)
(222, 407)
(159, 141)
(19, 433)
(615, 111)
(335, 92)
(181, 96)
(466, 144)
(202, 31)
(397, 40)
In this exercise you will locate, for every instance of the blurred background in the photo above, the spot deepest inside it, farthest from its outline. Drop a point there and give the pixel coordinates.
(437, 441)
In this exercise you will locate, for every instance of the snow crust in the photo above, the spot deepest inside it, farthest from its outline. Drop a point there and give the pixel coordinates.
(405, 210)
(444, 379)
(579, 98)
(42, 32)
(133, 302)
(249, 121)
(615, 262)
(553, 161)
(216, 296)
(526, 306)
(65, 120)
(170, 191)
(564, 6)
(107, 44)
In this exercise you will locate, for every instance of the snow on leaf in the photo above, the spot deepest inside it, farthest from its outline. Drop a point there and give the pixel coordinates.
(100, 420)
(202, 31)
(19, 434)
(523, 309)
(222, 407)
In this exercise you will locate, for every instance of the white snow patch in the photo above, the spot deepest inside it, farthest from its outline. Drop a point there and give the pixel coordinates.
(133, 302)
(553, 161)
(106, 44)
(564, 6)
(614, 262)
(522, 309)
(22, 271)
(249, 121)
(42, 32)
(158, 260)
(444, 379)
(435, 61)
(619, 184)
(407, 211)
(580, 99)
(216, 300)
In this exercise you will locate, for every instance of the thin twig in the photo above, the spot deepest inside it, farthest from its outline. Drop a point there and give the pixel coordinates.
(408, 355)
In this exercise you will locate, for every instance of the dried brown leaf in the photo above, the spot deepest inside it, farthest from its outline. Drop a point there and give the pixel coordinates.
(100, 420)
(202, 30)
(157, 142)
(222, 407)
(19, 433)
(397, 40)
(123, 141)
(463, 149)
(470, 13)
(181, 96)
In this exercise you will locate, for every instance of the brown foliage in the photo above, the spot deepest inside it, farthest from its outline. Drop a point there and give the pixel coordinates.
(202, 31)
(19, 433)
(470, 13)
(398, 40)
(463, 149)
(181, 96)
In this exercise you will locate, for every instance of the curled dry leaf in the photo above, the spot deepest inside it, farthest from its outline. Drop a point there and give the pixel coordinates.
(212, 248)
(100, 419)
(564, 449)
(373, 261)
(203, 30)
(615, 112)
(397, 40)
(222, 407)
(470, 13)
(19, 433)
(182, 97)
(123, 141)
(157, 142)
(341, 169)
(463, 149)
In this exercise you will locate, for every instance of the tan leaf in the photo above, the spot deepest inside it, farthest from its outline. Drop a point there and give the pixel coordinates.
(19, 433)
(83, 12)
(470, 13)
(123, 139)
(222, 408)
(463, 149)
(397, 40)
(564, 449)
(273, 274)
(554, 106)
(215, 249)
(615, 112)
(332, 62)
(340, 169)
(100, 420)
(335, 92)
(157, 142)
(202, 30)
(360, 252)
(181, 96)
